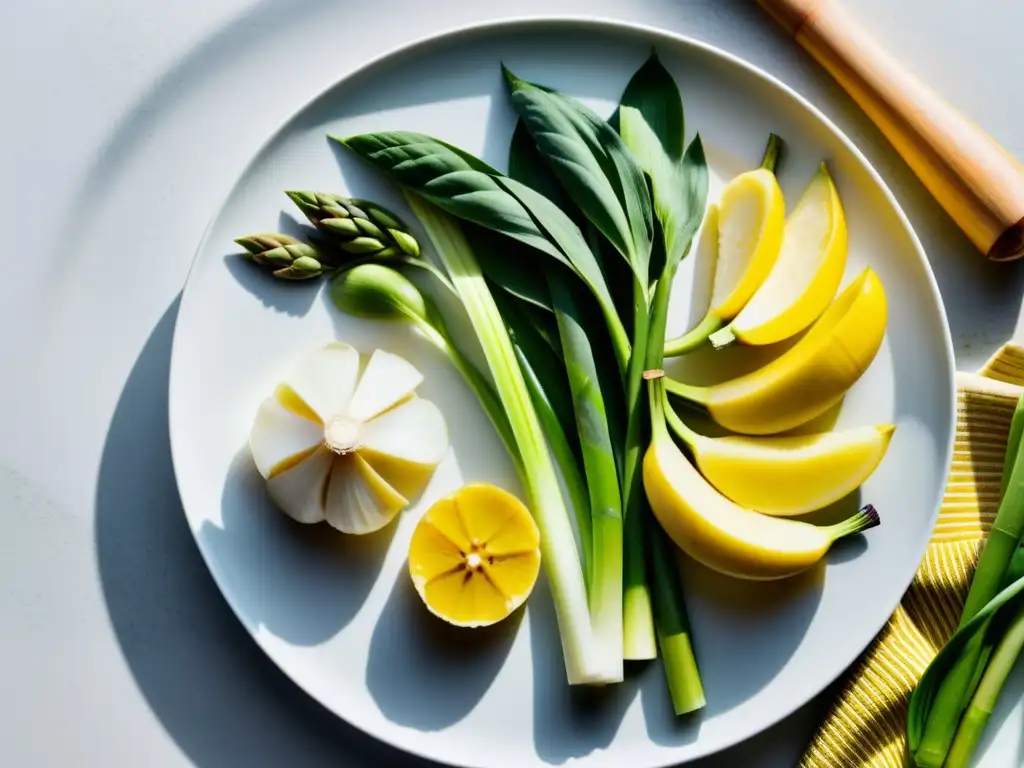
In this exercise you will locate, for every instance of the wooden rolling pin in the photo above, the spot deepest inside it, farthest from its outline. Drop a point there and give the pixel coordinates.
(978, 182)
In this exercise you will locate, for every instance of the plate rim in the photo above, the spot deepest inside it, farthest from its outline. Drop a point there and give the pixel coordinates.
(611, 25)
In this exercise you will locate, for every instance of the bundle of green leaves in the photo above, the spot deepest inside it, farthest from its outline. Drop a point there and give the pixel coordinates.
(539, 258)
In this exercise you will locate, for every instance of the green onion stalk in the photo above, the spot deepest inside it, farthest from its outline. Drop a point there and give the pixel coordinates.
(944, 724)
(1007, 528)
(983, 703)
(378, 292)
(541, 363)
(605, 565)
(638, 616)
(584, 661)
(671, 619)
(965, 680)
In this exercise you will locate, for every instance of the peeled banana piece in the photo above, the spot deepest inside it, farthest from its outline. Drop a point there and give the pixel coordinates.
(725, 536)
(809, 378)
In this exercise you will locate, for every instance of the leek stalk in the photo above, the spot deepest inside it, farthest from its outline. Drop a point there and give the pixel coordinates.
(583, 659)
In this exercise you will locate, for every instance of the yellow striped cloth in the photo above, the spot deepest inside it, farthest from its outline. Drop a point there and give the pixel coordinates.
(865, 727)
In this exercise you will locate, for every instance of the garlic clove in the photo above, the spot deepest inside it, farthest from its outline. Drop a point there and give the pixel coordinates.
(278, 436)
(299, 489)
(387, 380)
(414, 431)
(405, 445)
(325, 379)
(358, 500)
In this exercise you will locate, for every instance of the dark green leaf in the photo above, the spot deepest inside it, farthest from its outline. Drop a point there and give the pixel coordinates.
(455, 184)
(594, 166)
(527, 166)
(511, 266)
(944, 690)
(471, 190)
(652, 126)
(543, 360)
(653, 93)
(561, 230)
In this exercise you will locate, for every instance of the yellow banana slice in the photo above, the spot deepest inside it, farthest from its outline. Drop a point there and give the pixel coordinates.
(791, 475)
(748, 224)
(807, 379)
(726, 537)
(805, 276)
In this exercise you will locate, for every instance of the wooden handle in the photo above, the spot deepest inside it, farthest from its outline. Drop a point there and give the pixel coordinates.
(977, 181)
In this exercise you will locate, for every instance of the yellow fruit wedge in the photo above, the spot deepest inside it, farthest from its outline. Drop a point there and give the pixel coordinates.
(785, 476)
(748, 224)
(808, 379)
(725, 536)
(805, 276)
(345, 448)
(475, 556)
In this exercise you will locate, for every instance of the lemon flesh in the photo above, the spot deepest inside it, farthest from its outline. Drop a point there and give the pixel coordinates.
(474, 556)
(805, 276)
(794, 475)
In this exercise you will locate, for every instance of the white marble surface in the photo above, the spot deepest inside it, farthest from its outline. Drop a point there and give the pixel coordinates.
(124, 124)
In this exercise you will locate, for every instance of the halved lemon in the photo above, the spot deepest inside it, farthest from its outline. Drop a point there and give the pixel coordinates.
(475, 555)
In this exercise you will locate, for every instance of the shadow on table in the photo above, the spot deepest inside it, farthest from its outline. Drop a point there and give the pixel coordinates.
(267, 559)
(568, 722)
(416, 658)
(214, 691)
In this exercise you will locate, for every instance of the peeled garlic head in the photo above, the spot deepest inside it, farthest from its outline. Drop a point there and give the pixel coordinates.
(345, 447)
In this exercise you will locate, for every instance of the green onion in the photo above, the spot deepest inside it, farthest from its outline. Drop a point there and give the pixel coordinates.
(1007, 528)
(652, 125)
(638, 618)
(943, 694)
(602, 475)
(544, 374)
(962, 683)
(984, 700)
(382, 293)
(583, 659)
(673, 624)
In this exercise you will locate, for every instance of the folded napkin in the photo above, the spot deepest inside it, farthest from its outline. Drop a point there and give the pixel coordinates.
(866, 726)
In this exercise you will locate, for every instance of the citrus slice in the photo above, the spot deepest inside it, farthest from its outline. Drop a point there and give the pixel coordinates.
(475, 556)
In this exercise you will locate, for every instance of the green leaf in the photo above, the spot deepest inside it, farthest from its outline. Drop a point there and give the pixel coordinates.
(652, 94)
(945, 689)
(511, 266)
(451, 180)
(593, 164)
(527, 166)
(652, 126)
(469, 189)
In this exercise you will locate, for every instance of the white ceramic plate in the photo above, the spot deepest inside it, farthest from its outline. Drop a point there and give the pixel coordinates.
(338, 614)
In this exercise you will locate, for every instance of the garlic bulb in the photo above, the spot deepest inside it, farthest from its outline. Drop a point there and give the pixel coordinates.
(347, 448)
